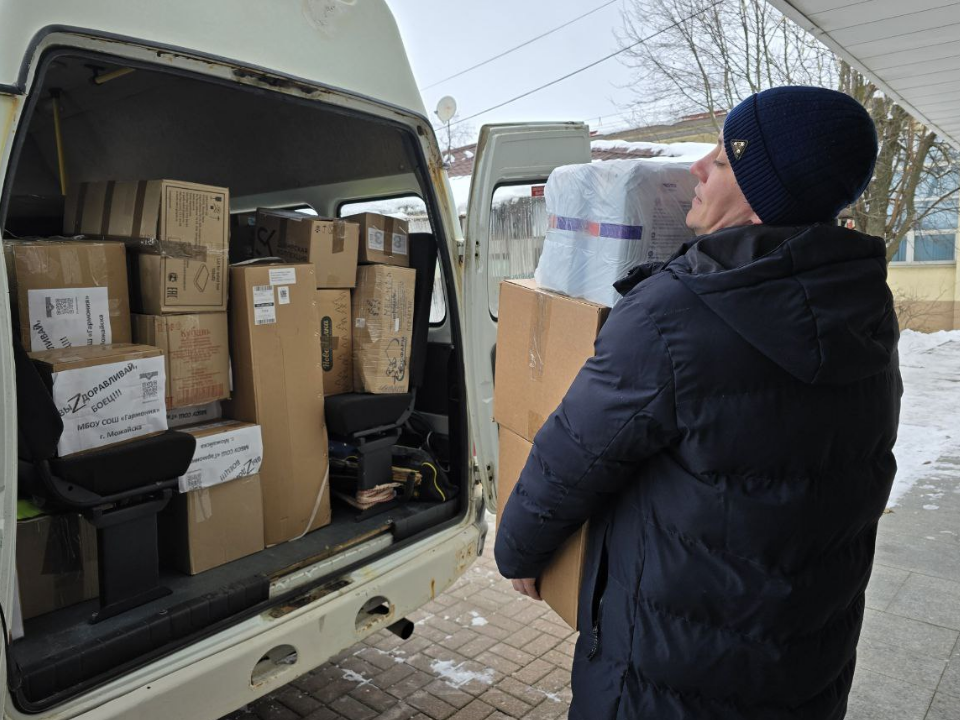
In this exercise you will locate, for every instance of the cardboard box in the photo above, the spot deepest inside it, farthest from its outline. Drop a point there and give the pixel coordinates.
(331, 245)
(382, 328)
(382, 239)
(195, 352)
(178, 229)
(106, 394)
(206, 528)
(278, 385)
(226, 450)
(56, 563)
(69, 292)
(179, 417)
(543, 339)
(336, 340)
(559, 585)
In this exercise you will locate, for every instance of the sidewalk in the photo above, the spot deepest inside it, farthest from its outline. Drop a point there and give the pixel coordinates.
(482, 652)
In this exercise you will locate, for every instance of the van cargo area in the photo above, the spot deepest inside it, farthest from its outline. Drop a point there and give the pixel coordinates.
(93, 119)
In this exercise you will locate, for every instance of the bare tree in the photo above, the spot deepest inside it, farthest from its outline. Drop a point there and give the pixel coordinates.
(454, 134)
(708, 55)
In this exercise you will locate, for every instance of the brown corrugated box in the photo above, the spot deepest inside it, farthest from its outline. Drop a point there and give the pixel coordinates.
(383, 239)
(559, 585)
(543, 339)
(206, 528)
(180, 233)
(278, 384)
(382, 328)
(106, 394)
(336, 340)
(331, 245)
(196, 355)
(36, 265)
(56, 563)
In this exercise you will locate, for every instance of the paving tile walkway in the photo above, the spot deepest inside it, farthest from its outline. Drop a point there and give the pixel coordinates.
(482, 652)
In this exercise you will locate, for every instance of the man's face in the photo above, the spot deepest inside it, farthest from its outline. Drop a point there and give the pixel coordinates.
(719, 203)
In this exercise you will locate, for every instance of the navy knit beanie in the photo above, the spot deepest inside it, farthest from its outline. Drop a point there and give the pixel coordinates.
(800, 154)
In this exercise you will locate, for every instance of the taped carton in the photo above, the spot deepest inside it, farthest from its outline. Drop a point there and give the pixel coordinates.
(330, 245)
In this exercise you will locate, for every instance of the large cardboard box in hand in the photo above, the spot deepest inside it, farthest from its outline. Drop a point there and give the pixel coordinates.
(69, 292)
(559, 585)
(278, 384)
(336, 341)
(331, 245)
(382, 328)
(105, 394)
(179, 231)
(56, 563)
(543, 339)
(383, 239)
(195, 352)
(209, 527)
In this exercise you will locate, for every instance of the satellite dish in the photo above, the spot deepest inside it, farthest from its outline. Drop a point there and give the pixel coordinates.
(446, 108)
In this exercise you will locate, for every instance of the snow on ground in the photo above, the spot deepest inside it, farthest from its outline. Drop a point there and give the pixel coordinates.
(930, 413)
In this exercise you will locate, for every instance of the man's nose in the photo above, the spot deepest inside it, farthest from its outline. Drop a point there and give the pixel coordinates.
(699, 170)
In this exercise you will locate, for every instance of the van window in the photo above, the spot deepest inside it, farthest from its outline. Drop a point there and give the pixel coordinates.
(518, 224)
(414, 210)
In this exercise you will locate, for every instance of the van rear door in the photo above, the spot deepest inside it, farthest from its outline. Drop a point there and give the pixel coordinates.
(518, 157)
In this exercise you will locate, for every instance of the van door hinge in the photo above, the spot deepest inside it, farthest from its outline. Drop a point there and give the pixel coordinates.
(461, 245)
(476, 472)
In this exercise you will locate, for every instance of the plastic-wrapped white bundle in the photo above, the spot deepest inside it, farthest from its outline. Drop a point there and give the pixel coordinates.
(606, 217)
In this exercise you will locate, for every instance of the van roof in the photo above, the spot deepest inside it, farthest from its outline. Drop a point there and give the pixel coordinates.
(351, 45)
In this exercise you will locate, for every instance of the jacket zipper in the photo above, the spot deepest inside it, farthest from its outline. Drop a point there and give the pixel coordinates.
(595, 633)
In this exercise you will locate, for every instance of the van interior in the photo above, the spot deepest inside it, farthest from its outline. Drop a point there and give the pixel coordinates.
(128, 122)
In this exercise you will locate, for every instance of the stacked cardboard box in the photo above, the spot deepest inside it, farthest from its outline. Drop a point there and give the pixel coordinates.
(543, 339)
(279, 386)
(56, 563)
(331, 246)
(218, 516)
(106, 394)
(68, 293)
(382, 305)
(178, 234)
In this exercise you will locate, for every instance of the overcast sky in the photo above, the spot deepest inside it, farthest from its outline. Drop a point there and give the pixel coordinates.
(443, 37)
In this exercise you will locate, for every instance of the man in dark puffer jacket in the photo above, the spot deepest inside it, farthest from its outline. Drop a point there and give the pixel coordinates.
(732, 440)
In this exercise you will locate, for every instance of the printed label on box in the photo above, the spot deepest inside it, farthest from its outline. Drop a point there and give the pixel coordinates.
(375, 239)
(67, 317)
(283, 295)
(264, 310)
(399, 244)
(191, 415)
(283, 276)
(224, 456)
(106, 404)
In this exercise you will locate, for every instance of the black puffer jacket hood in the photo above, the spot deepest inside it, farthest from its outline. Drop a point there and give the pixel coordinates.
(803, 271)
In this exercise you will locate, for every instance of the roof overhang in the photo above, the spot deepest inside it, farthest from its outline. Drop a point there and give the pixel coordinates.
(911, 50)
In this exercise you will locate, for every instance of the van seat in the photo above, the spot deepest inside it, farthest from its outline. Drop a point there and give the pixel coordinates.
(350, 413)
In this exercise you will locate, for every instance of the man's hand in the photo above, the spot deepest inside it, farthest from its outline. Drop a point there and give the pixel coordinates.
(528, 587)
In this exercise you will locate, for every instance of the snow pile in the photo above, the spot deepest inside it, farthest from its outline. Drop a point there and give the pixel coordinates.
(930, 413)
(457, 676)
(676, 152)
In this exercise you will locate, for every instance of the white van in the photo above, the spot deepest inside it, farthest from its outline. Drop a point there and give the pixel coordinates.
(289, 104)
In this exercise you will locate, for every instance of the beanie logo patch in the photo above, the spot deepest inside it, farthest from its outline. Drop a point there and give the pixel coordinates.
(738, 147)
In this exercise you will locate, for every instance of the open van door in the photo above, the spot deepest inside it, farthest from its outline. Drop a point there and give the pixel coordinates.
(511, 160)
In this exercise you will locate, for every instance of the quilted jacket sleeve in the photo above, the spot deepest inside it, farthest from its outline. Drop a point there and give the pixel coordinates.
(619, 410)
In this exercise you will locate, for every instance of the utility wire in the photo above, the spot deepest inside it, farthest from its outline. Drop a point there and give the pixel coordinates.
(587, 67)
(521, 45)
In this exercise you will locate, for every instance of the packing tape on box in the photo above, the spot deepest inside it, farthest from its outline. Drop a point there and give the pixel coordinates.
(339, 236)
(202, 505)
(539, 331)
(316, 505)
(534, 423)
